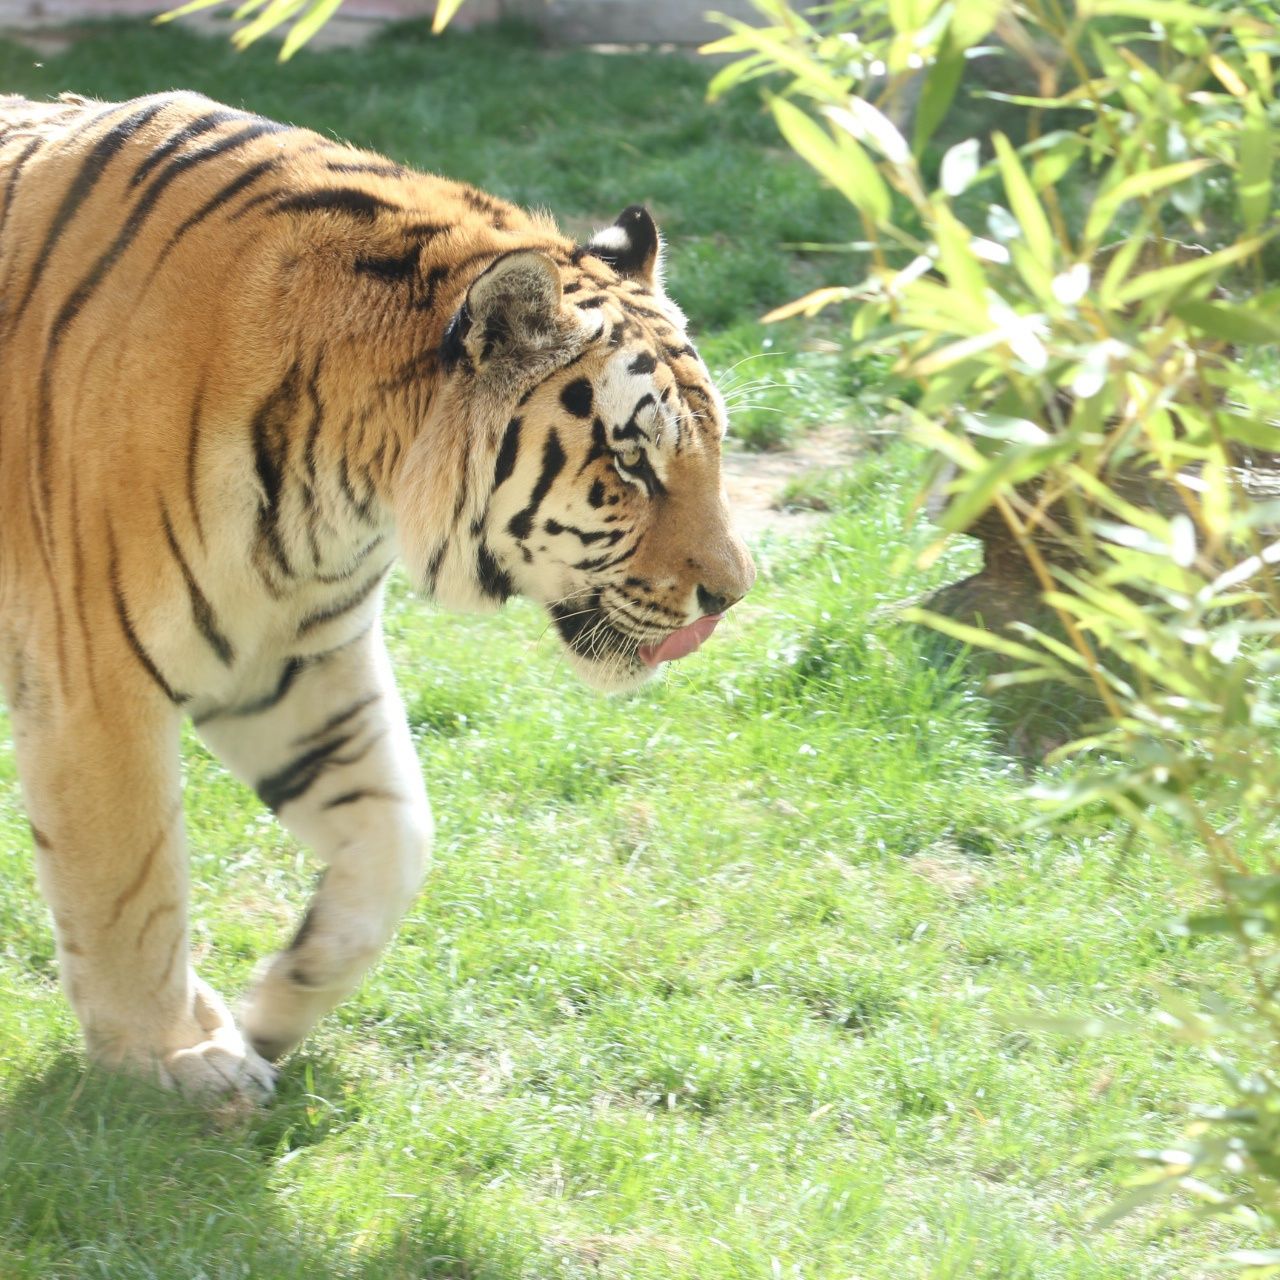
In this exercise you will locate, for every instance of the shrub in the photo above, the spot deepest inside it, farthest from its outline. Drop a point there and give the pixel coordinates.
(1085, 313)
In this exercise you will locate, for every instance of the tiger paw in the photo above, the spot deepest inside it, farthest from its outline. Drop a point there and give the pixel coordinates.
(221, 1066)
(218, 1062)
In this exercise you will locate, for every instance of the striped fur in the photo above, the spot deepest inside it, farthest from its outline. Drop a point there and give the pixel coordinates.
(242, 368)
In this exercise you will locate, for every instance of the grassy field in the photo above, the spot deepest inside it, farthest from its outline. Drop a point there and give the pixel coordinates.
(726, 980)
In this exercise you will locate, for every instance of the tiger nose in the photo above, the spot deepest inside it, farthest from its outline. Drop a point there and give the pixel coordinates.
(709, 602)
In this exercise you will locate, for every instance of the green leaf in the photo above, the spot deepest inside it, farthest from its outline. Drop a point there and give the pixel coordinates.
(1253, 182)
(192, 6)
(268, 20)
(445, 9)
(810, 74)
(1024, 202)
(976, 636)
(1234, 323)
(1133, 187)
(307, 26)
(840, 160)
(1178, 277)
(735, 73)
(937, 94)
(1166, 12)
(1052, 162)
(972, 20)
(956, 257)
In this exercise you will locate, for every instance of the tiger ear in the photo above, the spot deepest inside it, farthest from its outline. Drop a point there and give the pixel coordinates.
(631, 246)
(513, 305)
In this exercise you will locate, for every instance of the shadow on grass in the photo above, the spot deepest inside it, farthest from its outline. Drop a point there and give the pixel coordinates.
(107, 1176)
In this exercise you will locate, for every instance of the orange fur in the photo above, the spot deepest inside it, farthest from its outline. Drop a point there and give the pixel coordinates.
(240, 365)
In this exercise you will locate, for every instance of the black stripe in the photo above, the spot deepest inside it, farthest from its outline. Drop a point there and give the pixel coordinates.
(305, 928)
(379, 168)
(608, 562)
(585, 536)
(15, 172)
(91, 170)
(227, 192)
(358, 597)
(437, 563)
(433, 280)
(337, 720)
(360, 793)
(137, 218)
(349, 200)
(301, 774)
(193, 453)
(345, 575)
(631, 430)
(393, 269)
(361, 507)
(599, 444)
(553, 460)
(506, 462)
(270, 431)
(201, 124)
(494, 580)
(643, 363)
(201, 610)
(126, 625)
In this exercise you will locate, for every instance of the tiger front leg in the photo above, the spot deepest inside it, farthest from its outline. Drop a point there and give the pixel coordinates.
(334, 760)
(103, 793)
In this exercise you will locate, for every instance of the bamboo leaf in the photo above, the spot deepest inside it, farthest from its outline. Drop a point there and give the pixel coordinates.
(1245, 326)
(1253, 182)
(1024, 202)
(956, 257)
(192, 6)
(938, 93)
(1132, 188)
(1168, 13)
(808, 305)
(810, 74)
(445, 10)
(307, 26)
(842, 163)
(972, 20)
(1172, 279)
(976, 636)
(268, 20)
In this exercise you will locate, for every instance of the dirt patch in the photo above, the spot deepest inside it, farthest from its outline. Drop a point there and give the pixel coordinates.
(756, 481)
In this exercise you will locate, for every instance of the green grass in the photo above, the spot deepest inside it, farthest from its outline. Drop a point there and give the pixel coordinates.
(726, 973)
(725, 980)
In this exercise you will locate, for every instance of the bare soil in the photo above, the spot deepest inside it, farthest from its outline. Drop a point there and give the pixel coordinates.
(757, 481)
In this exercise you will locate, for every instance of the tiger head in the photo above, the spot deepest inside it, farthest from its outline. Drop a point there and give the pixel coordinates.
(593, 468)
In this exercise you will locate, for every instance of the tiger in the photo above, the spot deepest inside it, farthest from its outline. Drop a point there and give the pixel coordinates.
(244, 368)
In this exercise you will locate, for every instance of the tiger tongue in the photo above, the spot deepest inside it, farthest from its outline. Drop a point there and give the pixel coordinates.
(679, 644)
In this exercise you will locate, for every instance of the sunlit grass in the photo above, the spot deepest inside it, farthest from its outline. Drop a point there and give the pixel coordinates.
(732, 971)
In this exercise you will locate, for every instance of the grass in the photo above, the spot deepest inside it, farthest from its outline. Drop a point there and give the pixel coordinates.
(639, 1027)
(729, 979)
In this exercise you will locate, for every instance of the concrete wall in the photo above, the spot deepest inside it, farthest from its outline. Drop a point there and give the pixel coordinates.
(563, 21)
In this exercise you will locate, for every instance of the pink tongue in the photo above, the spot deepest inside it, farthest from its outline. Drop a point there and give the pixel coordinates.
(679, 644)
